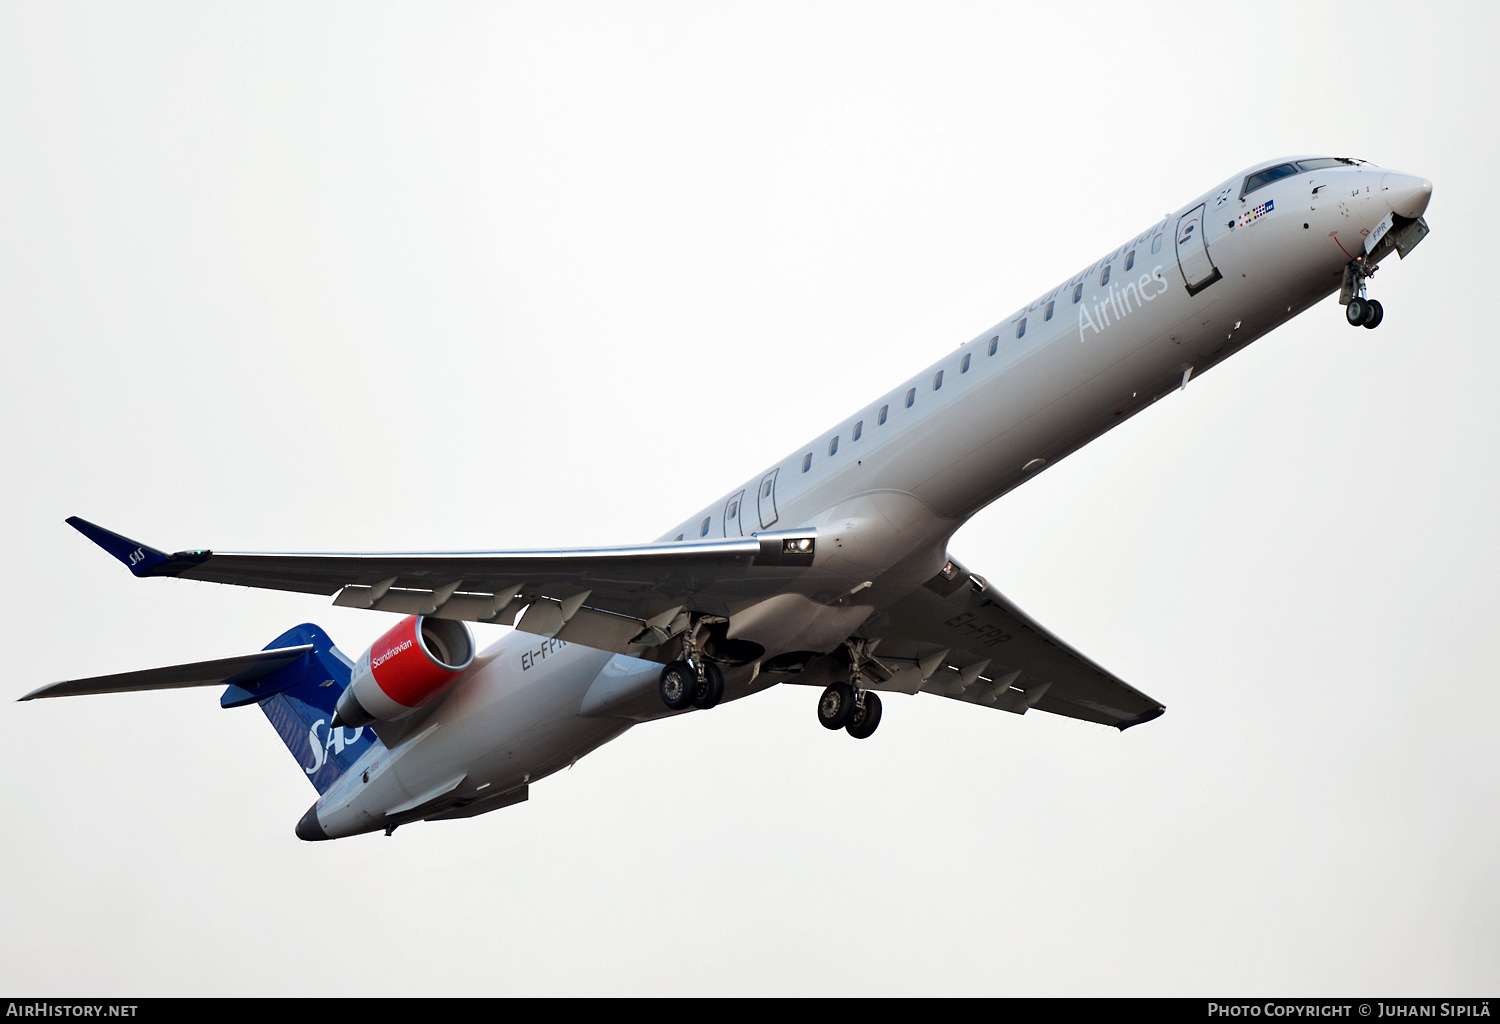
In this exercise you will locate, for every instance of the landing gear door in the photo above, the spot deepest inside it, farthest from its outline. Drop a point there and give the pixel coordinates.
(733, 510)
(765, 499)
(1198, 270)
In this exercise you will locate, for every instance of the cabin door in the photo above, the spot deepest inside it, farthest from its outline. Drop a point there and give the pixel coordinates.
(1198, 270)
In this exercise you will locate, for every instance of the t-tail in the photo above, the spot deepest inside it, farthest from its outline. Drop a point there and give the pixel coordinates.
(301, 702)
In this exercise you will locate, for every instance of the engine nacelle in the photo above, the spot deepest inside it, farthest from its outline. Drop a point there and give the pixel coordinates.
(408, 666)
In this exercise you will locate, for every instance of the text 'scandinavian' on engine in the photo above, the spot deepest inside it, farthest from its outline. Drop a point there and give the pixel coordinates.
(830, 568)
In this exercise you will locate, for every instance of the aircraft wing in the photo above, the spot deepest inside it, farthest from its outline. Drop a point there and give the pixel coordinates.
(959, 637)
(614, 598)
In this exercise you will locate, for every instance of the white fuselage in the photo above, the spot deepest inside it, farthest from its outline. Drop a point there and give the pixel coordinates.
(887, 486)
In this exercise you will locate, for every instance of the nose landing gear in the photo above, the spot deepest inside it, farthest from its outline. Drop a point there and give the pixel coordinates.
(1359, 310)
(1364, 313)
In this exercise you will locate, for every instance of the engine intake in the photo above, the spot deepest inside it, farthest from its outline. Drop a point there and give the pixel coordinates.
(409, 665)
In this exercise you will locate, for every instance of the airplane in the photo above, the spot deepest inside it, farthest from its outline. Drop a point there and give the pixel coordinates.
(828, 569)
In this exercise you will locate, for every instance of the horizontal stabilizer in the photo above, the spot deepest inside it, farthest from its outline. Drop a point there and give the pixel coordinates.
(237, 670)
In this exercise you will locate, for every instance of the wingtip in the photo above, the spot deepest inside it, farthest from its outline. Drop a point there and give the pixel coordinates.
(138, 558)
(40, 691)
(1142, 718)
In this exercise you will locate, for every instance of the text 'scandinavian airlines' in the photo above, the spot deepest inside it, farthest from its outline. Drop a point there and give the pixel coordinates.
(830, 568)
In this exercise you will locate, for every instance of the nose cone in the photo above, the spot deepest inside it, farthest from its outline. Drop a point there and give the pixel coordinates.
(1406, 194)
(309, 828)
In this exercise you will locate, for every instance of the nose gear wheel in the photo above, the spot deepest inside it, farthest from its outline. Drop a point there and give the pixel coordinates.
(1364, 313)
(1360, 310)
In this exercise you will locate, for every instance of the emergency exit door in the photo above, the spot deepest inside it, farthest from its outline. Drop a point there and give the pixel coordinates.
(765, 499)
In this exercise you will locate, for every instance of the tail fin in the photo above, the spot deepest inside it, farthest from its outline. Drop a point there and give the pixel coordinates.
(303, 695)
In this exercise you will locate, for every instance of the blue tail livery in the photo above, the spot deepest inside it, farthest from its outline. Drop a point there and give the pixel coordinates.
(301, 703)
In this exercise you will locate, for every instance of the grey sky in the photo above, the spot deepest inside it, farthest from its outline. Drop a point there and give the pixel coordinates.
(416, 277)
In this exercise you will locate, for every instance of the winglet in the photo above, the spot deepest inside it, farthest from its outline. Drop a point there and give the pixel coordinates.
(138, 558)
(1142, 718)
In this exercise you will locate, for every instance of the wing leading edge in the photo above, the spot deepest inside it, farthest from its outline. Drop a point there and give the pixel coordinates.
(959, 637)
(612, 598)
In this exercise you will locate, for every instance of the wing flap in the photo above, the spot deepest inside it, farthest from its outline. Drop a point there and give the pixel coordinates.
(990, 653)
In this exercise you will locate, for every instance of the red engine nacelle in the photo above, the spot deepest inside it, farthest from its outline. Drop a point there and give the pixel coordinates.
(410, 664)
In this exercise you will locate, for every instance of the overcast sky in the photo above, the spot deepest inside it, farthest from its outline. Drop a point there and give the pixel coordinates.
(374, 277)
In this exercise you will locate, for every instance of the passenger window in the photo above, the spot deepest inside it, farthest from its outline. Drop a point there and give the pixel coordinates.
(1104, 276)
(703, 527)
(1048, 315)
(963, 367)
(880, 420)
(1156, 245)
(911, 396)
(994, 344)
(937, 381)
(734, 510)
(1021, 328)
(1077, 292)
(679, 536)
(807, 462)
(1130, 259)
(833, 446)
(859, 428)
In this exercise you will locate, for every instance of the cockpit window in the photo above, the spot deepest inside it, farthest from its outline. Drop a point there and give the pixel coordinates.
(1260, 179)
(1323, 162)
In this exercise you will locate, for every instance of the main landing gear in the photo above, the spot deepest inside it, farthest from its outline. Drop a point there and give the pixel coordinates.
(683, 685)
(1359, 310)
(846, 705)
(856, 712)
(693, 682)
